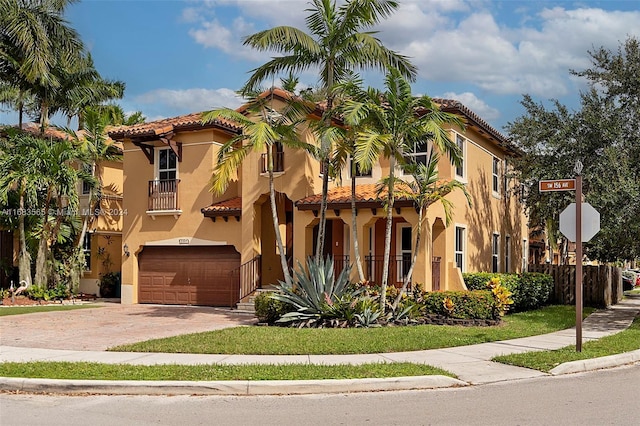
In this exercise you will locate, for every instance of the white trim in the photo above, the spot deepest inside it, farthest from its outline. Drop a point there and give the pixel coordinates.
(525, 255)
(507, 253)
(180, 241)
(154, 213)
(156, 163)
(495, 255)
(399, 251)
(465, 141)
(495, 174)
(464, 246)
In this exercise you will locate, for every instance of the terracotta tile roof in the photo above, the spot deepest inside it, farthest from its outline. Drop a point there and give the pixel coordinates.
(59, 133)
(231, 207)
(340, 198)
(166, 125)
(451, 105)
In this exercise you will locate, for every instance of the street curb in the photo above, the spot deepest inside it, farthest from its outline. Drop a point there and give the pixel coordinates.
(230, 387)
(596, 363)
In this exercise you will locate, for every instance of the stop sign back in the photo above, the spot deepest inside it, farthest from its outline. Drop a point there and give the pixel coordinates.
(590, 222)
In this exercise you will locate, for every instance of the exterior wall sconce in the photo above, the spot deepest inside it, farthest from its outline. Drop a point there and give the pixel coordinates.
(126, 250)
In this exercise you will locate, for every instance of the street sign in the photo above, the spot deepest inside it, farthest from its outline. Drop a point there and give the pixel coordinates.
(557, 185)
(590, 222)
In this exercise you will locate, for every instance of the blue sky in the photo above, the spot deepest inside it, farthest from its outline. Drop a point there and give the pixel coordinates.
(178, 57)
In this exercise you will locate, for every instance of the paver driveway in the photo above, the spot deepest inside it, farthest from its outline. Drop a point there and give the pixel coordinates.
(112, 324)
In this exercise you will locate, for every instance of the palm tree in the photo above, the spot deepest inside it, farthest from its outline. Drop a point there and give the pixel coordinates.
(57, 179)
(337, 44)
(34, 40)
(425, 190)
(396, 122)
(19, 172)
(259, 135)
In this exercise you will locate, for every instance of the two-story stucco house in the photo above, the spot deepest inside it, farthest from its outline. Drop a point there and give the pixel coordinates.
(184, 245)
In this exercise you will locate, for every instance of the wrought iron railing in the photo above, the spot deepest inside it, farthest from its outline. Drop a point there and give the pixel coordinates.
(163, 194)
(398, 269)
(249, 277)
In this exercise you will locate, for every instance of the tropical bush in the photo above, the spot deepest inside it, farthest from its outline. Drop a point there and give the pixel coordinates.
(475, 304)
(318, 297)
(268, 309)
(529, 290)
(39, 292)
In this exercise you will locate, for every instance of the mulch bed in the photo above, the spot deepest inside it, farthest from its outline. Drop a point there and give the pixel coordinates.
(25, 301)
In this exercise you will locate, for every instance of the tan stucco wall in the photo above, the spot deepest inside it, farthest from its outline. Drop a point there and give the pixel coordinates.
(187, 227)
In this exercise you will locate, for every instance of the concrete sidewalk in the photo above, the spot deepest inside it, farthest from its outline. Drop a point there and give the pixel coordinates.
(471, 364)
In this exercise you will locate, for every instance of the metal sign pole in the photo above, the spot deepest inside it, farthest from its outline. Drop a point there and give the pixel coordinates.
(579, 258)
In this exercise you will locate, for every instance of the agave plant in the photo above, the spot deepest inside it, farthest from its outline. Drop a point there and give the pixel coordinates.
(315, 292)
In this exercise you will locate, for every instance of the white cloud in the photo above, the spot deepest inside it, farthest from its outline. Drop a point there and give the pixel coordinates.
(475, 104)
(453, 41)
(190, 100)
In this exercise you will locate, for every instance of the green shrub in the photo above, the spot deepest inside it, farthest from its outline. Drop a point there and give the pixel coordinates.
(268, 309)
(529, 290)
(475, 304)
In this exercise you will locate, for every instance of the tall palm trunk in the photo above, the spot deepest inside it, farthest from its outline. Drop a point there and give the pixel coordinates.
(274, 215)
(407, 279)
(42, 275)
(354, 223)
(24, 262)
(325, 149)
(387, 236)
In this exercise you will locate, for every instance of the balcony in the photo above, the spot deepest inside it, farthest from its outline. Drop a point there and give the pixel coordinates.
(278, 163)
(163, 198)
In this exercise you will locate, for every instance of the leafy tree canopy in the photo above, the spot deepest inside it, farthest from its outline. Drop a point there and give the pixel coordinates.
(604, 135)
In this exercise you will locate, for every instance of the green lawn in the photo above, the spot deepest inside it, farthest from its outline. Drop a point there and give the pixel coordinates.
(289, 341)
(93, 371)
(625, 341)
(19, 310)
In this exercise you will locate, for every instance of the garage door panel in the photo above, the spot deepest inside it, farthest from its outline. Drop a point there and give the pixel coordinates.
(188, 275)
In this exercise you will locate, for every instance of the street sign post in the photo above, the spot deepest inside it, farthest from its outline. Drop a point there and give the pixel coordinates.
(572, 226)
(590, 222)
(557, 185)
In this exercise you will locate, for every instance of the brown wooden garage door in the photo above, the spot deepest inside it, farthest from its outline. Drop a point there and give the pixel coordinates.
(189, 276)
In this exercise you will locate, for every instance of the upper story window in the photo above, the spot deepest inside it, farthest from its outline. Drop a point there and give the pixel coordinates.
(358, 171)
(419, 152)
(86, 186)
(460, 141)
(167, 164)
(496, 175)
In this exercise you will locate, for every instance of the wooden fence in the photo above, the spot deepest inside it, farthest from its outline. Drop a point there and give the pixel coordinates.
(602, 285)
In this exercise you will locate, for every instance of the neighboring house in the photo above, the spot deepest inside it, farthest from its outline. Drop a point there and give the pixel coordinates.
(103, 240)
(186, 245)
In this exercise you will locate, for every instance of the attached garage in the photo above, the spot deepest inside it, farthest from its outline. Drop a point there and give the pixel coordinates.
(202, 275)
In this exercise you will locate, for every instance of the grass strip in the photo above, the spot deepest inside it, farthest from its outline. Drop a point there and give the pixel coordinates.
(20, 310)
(95, 371)
(291, 341)
(625, 341)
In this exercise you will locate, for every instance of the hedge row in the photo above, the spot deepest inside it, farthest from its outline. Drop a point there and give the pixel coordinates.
(476, 304)
(530, 290)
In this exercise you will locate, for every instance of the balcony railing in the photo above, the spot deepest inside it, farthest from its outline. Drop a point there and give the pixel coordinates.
(278, 163)
(398, 269)
(249, 276)
(163, 195)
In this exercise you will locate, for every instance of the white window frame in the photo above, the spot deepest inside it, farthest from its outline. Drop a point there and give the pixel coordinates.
(359, 174)
(495, 252)
(525, 255)
(157, 170)
(461, 172)
(460, 250)
(400, 252)
(507, 253)
(86, 251)
(495, 176)
(415, 154)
